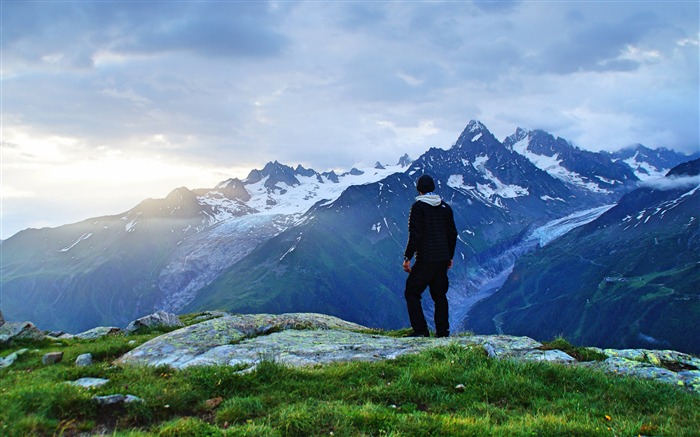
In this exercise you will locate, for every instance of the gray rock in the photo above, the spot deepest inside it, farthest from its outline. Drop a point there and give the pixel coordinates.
(10, 359)
(691, 379)
(2, 319)
(551, 356)
(159, 318)
(656, 358)
(623, 366)
(179, 347)
(20, 331)
(296, 340)
(52, 358)
(490, 351)
(83, 360)
(89, 382)
(206, 315)
(116, 399)
(98, 332)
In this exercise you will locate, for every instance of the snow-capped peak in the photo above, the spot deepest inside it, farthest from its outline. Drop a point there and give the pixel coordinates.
(278, 189)
(476, 126)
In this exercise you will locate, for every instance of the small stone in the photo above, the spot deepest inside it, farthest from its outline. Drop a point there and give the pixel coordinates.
(8, 360)
(98, 332)
(490, 351)
(84, 360)
(89, 382)
(157, 319)
(52, 358)
(116, 399)
(212, 404)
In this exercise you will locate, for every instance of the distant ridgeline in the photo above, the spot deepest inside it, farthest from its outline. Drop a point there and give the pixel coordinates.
(603, 248)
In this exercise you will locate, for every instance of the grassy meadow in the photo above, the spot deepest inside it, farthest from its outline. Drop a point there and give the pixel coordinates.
(451, 390)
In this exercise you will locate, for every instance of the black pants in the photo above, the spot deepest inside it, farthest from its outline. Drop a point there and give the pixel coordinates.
(433, 275)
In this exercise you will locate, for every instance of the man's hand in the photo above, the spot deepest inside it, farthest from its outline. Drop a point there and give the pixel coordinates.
(449, 266)
(407, 266)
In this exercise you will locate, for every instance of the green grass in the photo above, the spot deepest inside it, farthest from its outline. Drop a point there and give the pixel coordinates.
(581, 354)
(448, 390)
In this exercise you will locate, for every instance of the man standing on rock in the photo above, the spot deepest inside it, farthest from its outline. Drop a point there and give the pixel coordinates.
(432, 236)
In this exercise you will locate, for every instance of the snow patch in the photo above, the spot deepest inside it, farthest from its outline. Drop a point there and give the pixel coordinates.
(85, 236)
(643, 170)
(548, 198)
(552, 165)
(129, 227)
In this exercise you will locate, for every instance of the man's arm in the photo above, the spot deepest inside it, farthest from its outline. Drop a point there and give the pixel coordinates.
(451, 234)
(414, 232)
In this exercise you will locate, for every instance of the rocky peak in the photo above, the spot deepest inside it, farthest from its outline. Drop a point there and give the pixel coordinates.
(475, 126)
(405, 161)
(476, 139)
(519, 135)
(233, 189)
(354, 172)
(180, 202)
(276, 173)
(690, 168)
(307, 172)
(331, 176)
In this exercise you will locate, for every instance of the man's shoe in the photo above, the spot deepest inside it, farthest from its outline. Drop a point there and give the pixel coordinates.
(442, 335)
(418, 334)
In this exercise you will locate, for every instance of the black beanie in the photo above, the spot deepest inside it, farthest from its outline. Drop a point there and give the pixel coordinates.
(425, 184)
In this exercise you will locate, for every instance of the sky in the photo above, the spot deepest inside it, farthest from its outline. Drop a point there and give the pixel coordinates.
(105, 103)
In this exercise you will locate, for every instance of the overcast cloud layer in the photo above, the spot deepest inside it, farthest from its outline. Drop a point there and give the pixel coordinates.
(107, 103)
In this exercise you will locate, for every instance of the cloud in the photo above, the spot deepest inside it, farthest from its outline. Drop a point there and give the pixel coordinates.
(673, 183)
(230, 85)
(72, 34)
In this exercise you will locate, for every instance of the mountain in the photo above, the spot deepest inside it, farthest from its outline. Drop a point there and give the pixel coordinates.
(108, 270)
(627, 279)
(592, 172)
(344, 258)
(290, 239)
(650, 164)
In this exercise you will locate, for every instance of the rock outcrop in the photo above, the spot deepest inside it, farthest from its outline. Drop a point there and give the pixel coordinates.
(157, 319)
(10, 331)
(314, 339)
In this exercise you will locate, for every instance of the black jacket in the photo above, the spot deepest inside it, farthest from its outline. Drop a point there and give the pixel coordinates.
(432, 234)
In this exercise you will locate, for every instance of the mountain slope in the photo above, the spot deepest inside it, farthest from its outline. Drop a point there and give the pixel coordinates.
(110, 270)
(650, 164)
(628, 279)
(293, 239)
(344, 259)
(593, 172)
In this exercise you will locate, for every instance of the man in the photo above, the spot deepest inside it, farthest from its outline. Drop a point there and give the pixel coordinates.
(432, 236)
